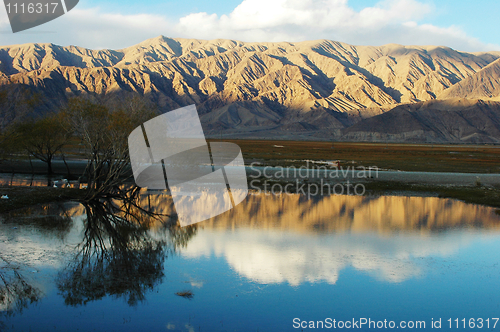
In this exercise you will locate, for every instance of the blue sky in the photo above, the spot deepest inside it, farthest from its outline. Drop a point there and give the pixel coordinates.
(464, 25)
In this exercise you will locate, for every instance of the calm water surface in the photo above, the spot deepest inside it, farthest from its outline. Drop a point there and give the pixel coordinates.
(258, 267)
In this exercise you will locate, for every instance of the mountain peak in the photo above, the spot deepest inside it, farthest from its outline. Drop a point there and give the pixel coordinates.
(304, 86)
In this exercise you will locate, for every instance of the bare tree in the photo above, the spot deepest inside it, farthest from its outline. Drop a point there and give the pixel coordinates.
(104, 135)
(42, 139)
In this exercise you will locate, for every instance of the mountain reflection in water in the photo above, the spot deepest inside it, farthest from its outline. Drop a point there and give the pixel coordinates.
(273, 239)
(334, 214)
(94, 252)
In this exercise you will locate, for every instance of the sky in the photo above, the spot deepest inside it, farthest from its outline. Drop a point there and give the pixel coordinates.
(464, 25)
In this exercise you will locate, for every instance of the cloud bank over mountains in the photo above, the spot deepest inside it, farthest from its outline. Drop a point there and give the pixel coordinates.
(388, 21)
(392, 21)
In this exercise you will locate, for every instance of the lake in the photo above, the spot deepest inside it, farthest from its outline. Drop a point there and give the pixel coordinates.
(274, 263)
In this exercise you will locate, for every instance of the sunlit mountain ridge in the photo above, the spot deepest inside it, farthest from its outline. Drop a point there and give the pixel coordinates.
(312, 89)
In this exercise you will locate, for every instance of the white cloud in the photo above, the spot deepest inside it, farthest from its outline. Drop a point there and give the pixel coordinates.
(269, 256)
(92, 28)
(120, 29)
(389, 21)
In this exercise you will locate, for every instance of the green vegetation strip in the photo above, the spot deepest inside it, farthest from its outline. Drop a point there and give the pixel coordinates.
(483, 195)
(404, 157)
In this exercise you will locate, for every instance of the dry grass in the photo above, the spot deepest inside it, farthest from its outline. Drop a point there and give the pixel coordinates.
(405, 157)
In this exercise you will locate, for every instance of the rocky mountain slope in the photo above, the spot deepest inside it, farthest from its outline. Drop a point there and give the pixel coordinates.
(453, 120)
(313, 89)
(483, 84)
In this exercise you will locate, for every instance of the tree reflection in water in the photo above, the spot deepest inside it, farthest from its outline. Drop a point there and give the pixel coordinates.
(118, 256)
(16, 290)
(16, 293)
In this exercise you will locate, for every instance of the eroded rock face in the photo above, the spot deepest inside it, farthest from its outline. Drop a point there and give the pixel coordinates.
(484, 84)
(314, 87)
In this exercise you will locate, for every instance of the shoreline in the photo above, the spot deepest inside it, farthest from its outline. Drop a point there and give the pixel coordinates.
(316, 172)
(475, 188)
(25, 196)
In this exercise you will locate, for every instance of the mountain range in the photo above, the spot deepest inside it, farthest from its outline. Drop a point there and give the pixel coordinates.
(307, 90)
